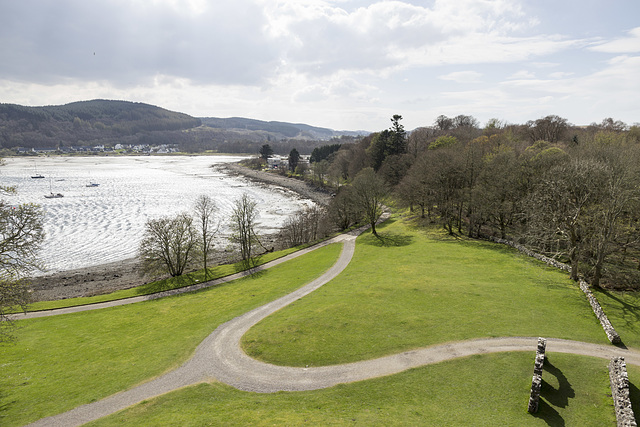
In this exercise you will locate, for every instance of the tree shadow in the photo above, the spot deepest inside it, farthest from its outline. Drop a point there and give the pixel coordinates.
(248, 266)
(630, 312)
(390, 240)
(4, 407)
(166, 284)
(252, 268)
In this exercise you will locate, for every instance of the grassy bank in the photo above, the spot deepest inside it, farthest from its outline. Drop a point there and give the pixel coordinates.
(65, 361)
(411, 290)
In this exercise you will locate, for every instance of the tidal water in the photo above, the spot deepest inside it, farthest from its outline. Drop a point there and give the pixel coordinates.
(105, 223)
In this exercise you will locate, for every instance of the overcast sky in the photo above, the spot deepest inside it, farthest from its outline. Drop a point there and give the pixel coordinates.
(343, 64)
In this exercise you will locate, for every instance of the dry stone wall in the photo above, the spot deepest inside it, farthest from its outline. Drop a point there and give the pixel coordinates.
(552, 262)
(536, 381)
(595, 305)
(597, 309)
(620, 392)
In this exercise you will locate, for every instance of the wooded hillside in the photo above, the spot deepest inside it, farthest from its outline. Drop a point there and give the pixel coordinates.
(86, 122)
(103, 122)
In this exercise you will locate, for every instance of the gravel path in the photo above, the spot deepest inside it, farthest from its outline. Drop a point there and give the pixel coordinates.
(219, 357)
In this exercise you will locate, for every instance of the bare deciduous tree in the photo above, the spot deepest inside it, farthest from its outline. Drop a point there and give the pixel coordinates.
(343, 211)
(205, 209)
(168, 245)
(550, 128)
(21, 233)
(370, 192)
(302, 227)
(558, 207)
(243, 222)
(13, 294)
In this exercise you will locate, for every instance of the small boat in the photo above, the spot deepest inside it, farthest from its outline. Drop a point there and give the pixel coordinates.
(37, 175)
(92, 184)
(52, 195)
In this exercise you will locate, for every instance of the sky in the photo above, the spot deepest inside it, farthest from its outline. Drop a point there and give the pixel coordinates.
(341, 64)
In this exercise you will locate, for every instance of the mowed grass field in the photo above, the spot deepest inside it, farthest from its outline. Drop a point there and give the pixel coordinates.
(64, 361)
(483, 390)
(411, 289)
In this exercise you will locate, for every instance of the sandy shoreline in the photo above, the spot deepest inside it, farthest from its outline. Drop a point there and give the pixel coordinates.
(125, 274)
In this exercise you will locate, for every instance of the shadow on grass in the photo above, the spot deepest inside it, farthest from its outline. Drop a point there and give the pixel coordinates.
(548, 414)
(560, 396)
(166, 284)
(551, 398)
(249, 266)
(630, 312)
(634, 396)
(6, 404)
(390, 240)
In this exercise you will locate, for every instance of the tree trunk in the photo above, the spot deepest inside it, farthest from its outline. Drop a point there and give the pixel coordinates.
(573, 255)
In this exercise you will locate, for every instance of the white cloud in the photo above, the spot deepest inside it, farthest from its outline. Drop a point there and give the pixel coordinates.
(521, 75)
(629, 44)
(321, 61)
(320, 38)
(462, 76)
(560, 75)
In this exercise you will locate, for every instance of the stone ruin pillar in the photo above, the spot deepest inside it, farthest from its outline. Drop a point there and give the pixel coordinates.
(536, 381)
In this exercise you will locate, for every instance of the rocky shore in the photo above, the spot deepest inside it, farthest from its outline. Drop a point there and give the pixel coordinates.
(105, 278)
(303, 188)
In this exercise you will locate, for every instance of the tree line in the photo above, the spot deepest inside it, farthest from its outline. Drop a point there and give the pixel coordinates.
(565, 191)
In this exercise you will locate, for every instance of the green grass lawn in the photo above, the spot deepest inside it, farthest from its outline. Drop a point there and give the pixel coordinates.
(160, 285)
(410, 290)
(64, 361)
(487, 390)
(413, 290)
(623, 310)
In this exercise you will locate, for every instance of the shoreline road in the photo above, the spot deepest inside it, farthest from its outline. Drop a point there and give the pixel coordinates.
(220, 358)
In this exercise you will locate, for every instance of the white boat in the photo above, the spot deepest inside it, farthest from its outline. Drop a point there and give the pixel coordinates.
(52, 195)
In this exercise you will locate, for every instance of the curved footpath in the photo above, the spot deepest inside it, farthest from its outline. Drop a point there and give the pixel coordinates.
(219, 357)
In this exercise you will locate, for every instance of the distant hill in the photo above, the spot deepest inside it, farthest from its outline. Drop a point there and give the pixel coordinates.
(105, 122)
(86, 122)
(277, 130)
